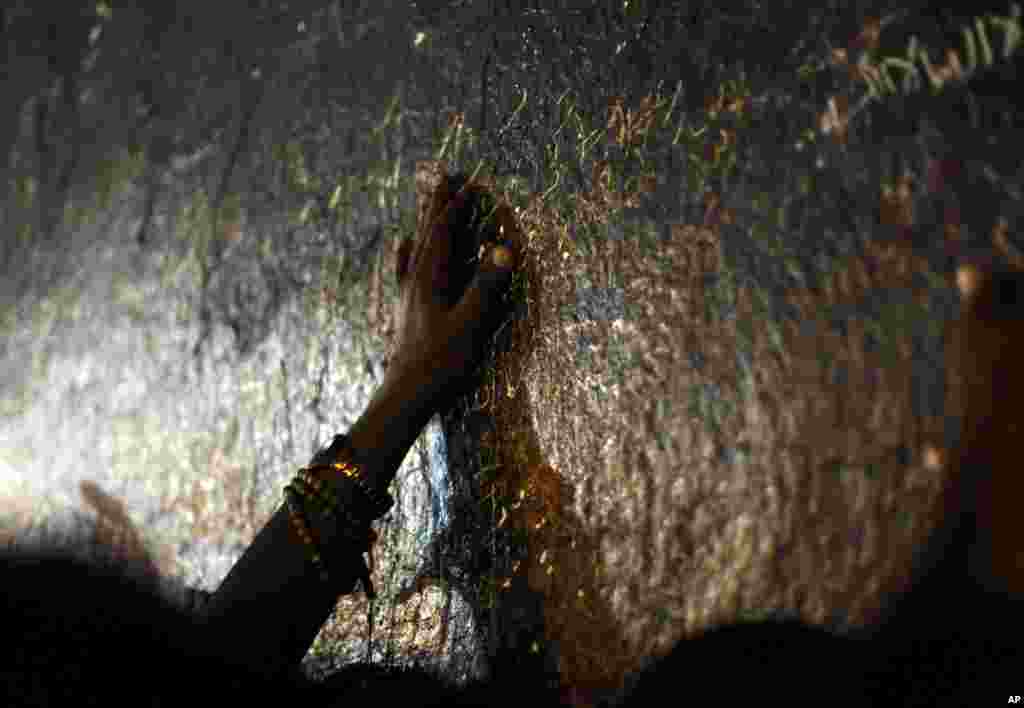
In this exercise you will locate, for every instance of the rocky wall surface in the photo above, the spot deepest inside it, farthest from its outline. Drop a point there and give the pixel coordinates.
(700, 428)
(118, 434)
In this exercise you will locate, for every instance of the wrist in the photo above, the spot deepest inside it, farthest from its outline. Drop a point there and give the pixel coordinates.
(394, 418)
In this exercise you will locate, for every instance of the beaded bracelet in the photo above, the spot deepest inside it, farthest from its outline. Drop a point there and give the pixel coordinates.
(352, 507)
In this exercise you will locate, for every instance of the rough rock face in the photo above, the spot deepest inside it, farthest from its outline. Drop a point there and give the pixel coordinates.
(695, 440)
(685, 429)
(172, 459)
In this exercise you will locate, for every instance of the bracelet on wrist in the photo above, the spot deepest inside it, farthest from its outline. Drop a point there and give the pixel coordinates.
(335, 490)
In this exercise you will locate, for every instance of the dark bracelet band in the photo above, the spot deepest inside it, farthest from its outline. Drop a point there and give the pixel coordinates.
(338, 460)
(336, 490)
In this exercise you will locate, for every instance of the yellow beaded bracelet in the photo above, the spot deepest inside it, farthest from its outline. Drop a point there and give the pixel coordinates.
(351, 506)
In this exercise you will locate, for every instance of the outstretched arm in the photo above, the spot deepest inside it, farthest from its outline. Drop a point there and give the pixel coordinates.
(272, 604)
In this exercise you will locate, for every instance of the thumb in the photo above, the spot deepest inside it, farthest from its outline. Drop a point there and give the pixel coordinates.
(480, 305)
(402, 261)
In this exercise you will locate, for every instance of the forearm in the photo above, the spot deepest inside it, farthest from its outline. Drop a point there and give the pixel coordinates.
(270, 607)
(272, 604)
(392, 421)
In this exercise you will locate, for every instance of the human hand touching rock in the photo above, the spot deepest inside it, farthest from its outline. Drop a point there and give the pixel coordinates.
(452, 289)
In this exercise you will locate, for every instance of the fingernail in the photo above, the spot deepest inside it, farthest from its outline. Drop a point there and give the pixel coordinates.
(501, 257)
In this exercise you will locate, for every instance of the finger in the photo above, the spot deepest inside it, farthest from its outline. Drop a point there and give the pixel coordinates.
(438, 251)
(402, 264)
(509, 230)
(428, 219)
(439, 202)
(477, 312)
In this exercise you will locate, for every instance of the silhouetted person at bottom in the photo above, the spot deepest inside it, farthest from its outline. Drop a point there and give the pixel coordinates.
(75, 634)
